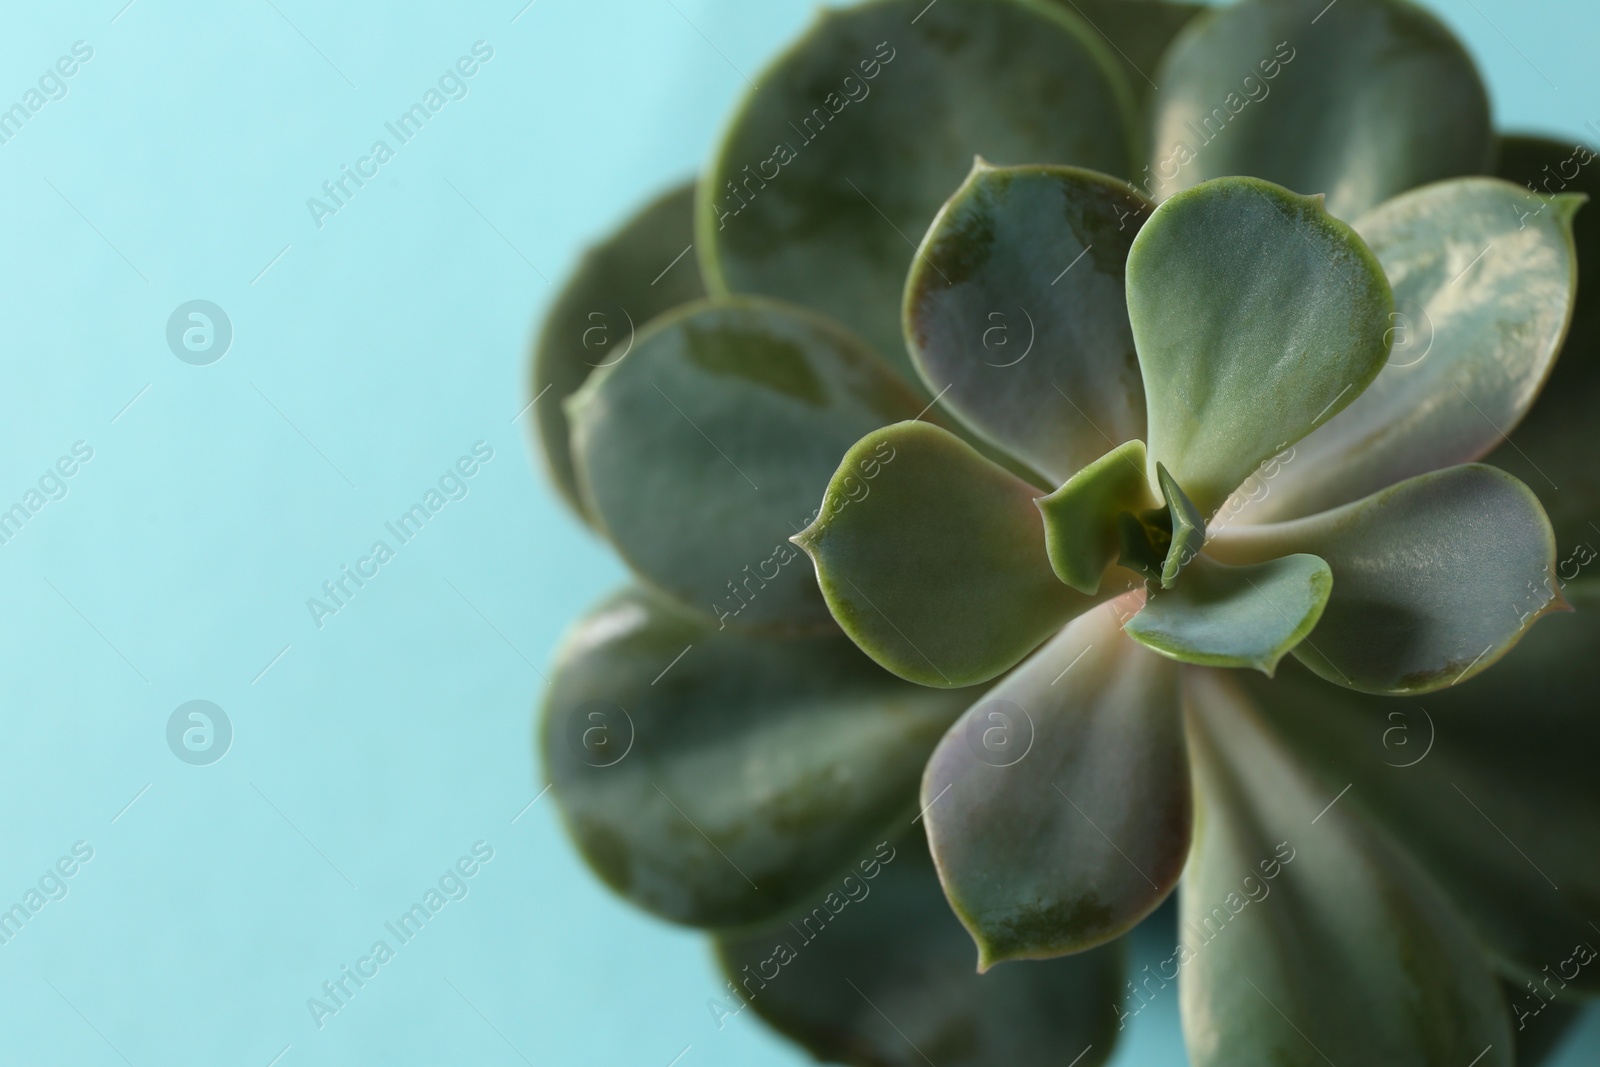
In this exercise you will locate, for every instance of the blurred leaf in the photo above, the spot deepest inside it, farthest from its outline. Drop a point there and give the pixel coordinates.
(837, 162)
(619, 285)
(1222, 616)
(1138, 33)
(1358, 99)
(711, 444)
(1491, 786)
(1015, 314)
(939, 571)
(1552, 449)
(718, 779)
(1058, 806)
(1306, 939)
(1433, 579)
(1484, 277)
(1081, 518)
(879, 974)
(1257, 317)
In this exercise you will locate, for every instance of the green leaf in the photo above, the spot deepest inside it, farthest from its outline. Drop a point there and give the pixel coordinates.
(1306, 939)
(1258, 316)
(1360, 99)
(879, 973)
(1552, 450)
(939, 571)
(1081, 519)
(1433, 579)
(1188, 528)
(1138, 32)
(715, 778)
(1058, 806)
(837, 162)
(1489, 786)
(618, 286)
(1222, 616)
(1484, 277)
(1016, 317)
(711, 445)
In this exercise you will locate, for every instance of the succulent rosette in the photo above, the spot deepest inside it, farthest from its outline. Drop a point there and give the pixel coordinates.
(1025, 545)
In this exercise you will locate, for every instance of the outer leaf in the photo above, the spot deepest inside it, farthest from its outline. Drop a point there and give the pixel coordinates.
(839, 160)
(617, 287)
(717, 779)
(1258, 316)
(939, 572)
(879, 973)
(1081, 519)
(1552, 450)
(1307, 939)
(1015, 314)
(711, 445)
(1139, 32)
(1484, 276)
(1361, 100)
(1490, 786)
(1222, 616)
(1433, 579)
(1073, 826)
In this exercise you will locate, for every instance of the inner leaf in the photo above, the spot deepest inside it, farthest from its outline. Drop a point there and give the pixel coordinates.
(1227, 616)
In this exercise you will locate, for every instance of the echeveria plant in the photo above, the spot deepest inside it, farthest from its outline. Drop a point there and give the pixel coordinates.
(1149, 545)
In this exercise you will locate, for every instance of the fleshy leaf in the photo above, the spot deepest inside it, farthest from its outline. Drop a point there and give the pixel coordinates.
(1484, 276)
(1188, 528)
(1489, 786)
(1552, 450)
(879, 973)
(715, 778)
(1258, 316)
(1224, 616)
(1369, 98)
(939, 570)
(837, 162)
(1305, 938)
(711, 445)
(618, 286)
(1058, 806)
(1016, 317)
(1433, 579)
(1081, 519)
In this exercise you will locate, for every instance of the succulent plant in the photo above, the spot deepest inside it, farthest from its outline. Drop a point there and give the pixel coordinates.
(1100, 544)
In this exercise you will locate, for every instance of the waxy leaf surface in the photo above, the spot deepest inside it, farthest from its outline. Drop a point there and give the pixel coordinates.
(1082, 517)
(715, 778)
(1058, 806)
(1358, 99)
(1016, 317)
(1258, 316)
(939, 572)
(843, 152)
(879, 972)
(711, 444)
(1490, 786)
(1306, 938)
(1484, 276)
(1433, 579)
(1552, 449)
(1223, 616)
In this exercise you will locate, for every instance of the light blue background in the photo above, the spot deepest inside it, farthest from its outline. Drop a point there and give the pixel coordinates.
(371, 354)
